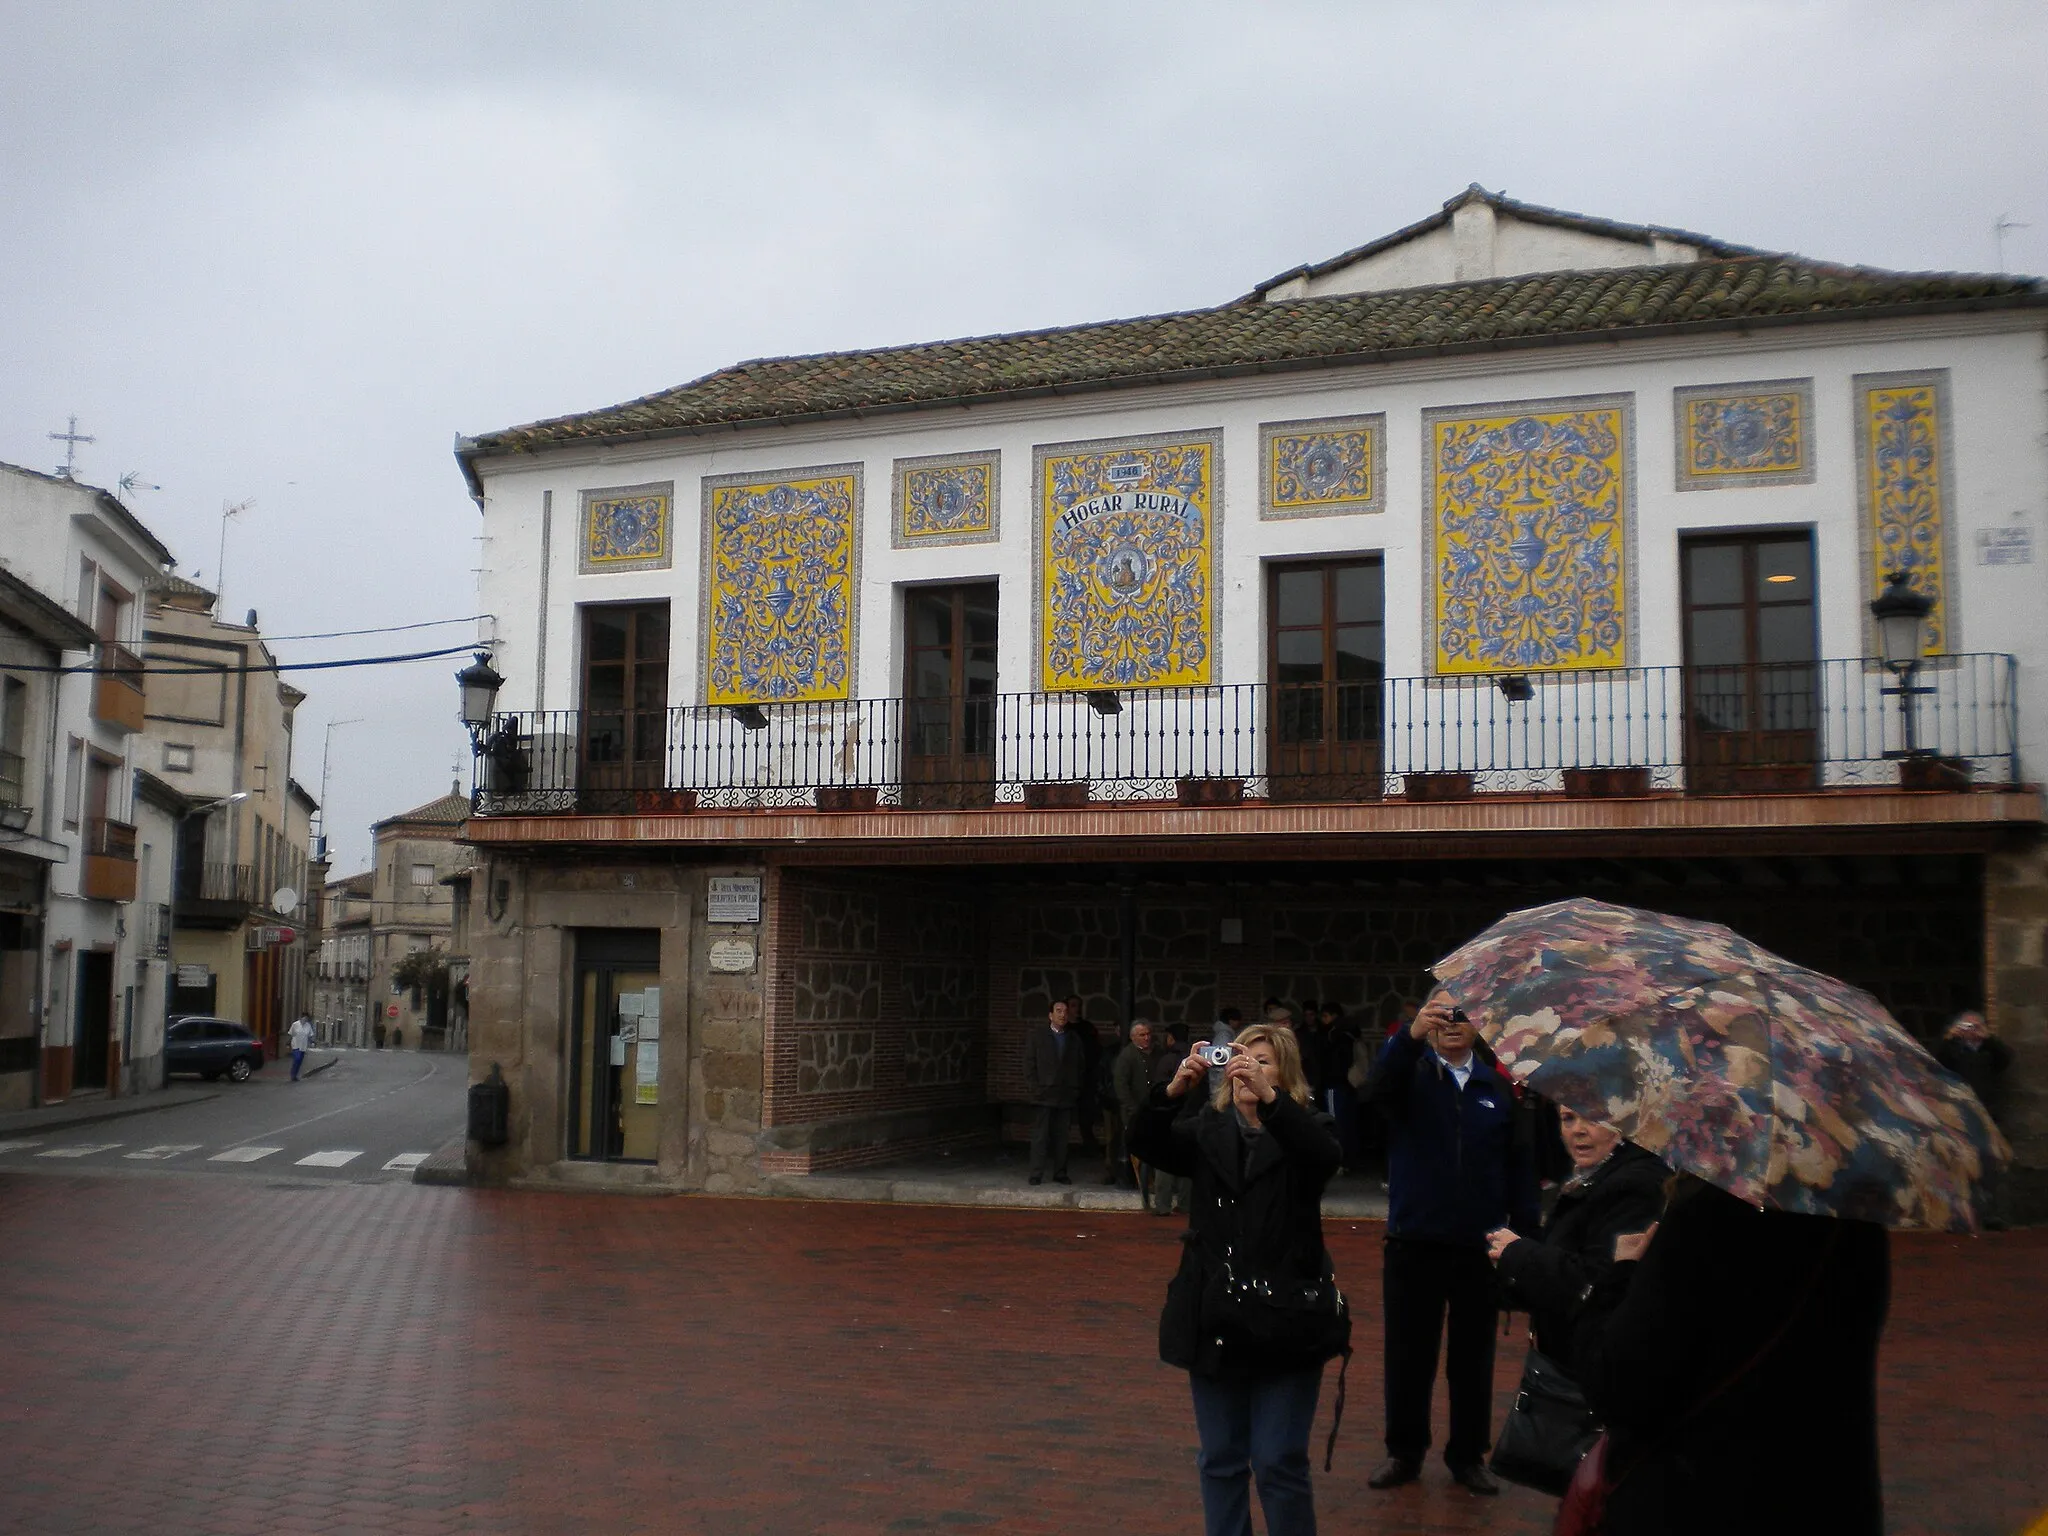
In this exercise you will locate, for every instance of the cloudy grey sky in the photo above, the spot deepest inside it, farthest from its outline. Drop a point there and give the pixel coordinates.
(289, 251)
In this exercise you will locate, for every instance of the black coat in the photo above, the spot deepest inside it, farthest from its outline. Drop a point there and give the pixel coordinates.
(1789, 1442)
(1550, 1278)
(1265, 1213)
(1053, 1075)
(1982, 1067)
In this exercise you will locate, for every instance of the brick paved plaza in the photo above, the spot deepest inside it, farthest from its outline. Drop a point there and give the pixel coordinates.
(204, 1355)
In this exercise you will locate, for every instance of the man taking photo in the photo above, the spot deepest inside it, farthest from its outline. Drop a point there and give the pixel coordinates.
(1454, 1173)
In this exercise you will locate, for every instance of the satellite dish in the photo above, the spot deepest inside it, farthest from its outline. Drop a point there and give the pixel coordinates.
(283, 899)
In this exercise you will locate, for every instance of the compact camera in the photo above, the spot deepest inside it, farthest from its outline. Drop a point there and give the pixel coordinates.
(1215, 1055)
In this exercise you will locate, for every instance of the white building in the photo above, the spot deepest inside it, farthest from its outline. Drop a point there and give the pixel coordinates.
(1515, 554)
(99, 995)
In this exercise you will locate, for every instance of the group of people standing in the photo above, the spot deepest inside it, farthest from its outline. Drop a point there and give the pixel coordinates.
(1076, 1079)
(1710, 1339)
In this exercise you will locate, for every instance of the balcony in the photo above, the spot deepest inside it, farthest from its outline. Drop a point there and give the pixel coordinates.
(1650, 732)
(109, 872)
(117, 698)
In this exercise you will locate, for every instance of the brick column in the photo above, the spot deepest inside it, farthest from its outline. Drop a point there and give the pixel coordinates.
(2016, 1002)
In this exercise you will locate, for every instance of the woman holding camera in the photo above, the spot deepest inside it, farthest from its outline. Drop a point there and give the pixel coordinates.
(1253, 1313)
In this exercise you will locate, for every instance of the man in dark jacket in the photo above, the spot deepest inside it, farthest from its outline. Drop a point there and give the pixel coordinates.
(1455, 1173)
(1053, 1066)
(1969, 1049)
(1131, 1075)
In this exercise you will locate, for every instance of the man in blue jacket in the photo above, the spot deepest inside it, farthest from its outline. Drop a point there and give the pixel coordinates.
(1454, 1173)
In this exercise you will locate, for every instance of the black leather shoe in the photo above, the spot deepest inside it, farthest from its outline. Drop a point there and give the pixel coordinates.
(1061, 1178)
(1037, 1179)
(1393, 1472)
(1474, 1478)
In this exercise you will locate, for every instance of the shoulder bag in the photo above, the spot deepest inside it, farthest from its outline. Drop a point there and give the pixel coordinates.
(1549, 1429)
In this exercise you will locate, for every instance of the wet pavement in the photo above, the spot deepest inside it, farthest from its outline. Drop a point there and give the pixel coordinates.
(195, 1354)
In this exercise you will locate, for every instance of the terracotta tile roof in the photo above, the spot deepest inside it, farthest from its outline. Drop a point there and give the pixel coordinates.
(448, 810)
(1248, 337)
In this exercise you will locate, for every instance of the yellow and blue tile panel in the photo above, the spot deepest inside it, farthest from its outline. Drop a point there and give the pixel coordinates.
(1902, 458)
(627, 528)
(1126, 550)
(780, 582)
(952, 499)
(1322, 468)
(1745, 434)
(1529, 524)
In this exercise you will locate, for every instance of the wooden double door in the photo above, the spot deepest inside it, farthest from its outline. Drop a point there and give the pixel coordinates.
(1752, 667)
(1326, 642)
(949, 696)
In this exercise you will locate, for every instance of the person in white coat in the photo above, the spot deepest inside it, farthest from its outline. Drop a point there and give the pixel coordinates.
(301, 1037)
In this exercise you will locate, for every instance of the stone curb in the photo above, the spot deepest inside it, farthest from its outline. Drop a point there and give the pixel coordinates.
(448, 1166)
(65, 1116)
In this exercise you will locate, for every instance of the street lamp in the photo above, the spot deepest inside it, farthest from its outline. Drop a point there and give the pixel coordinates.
(1900, 614)
(480, 685)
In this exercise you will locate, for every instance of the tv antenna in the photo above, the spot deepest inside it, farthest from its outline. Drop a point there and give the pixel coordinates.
(1999, 226)
(132, 482)
(71, 437)
(220, 566)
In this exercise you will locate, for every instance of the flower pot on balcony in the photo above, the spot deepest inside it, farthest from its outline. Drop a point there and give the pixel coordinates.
(1056, 795)
(1210, 791)
(1437, 786)
(664, 802)
(1606, 783)
(1950, 773)
(846, 797)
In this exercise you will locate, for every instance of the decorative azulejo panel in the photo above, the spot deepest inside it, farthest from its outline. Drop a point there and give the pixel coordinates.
(1904, 492)
(1744, 434)
(1126, 558)
(628, 528)
(780, 579)
(1321, 468)
(954, 499)
(1530, 535)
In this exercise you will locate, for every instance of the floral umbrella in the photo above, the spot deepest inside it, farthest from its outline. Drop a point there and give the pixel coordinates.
(1781, 1085)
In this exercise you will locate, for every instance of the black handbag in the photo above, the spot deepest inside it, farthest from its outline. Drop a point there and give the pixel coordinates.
(1549, 1429)
(1303, 1322)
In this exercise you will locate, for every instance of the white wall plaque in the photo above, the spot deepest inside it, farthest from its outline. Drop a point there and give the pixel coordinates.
(732, 955)
(2005, 546)
(733, 899)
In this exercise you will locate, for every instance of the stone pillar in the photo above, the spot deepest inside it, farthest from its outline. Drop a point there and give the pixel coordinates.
(2016, 1003)
(728, 1040)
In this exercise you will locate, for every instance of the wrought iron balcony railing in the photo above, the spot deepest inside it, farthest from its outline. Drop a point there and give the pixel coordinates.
(1701, 730)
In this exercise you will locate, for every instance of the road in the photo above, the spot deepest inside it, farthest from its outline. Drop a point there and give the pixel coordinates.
(371, 1117)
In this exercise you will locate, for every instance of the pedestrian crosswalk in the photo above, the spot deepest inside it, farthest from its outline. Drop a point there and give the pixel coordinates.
(19, 1148)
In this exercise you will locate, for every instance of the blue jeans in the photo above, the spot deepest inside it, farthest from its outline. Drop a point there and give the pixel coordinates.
(1257, 1428)
(298, 1059)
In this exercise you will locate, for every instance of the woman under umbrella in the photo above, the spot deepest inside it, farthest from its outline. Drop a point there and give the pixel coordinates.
(1733, 1347)
(1614, 1188)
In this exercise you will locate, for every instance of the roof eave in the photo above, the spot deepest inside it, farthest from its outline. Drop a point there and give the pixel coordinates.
(2036, 299)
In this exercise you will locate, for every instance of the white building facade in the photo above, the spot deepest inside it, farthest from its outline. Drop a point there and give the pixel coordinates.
(100, 995)
(1516, 536)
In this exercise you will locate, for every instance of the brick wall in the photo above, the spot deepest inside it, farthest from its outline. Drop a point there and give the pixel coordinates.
(879, 996)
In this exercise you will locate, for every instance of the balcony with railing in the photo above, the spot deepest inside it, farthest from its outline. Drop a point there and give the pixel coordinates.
(109, 872)
(117, 698)
(1631, 733)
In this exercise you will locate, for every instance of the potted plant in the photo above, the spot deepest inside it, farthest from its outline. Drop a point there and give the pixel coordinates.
(1210, 791)
(847, 797)
(1056, 795)
(1606, 783)
(1437, 786)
